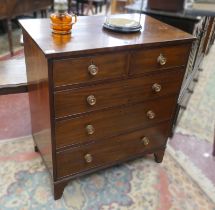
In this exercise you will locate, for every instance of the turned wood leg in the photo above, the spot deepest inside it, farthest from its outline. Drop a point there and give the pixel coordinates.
(9, 32)
(43, 13)
(159, 156)
(58, 188)
(70, 5)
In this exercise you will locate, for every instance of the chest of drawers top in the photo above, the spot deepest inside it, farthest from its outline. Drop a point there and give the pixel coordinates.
(89, 37)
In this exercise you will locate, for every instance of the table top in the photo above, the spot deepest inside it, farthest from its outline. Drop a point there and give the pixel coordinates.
(191, 11)
(13, 76)
(137, 5)
(88, 36)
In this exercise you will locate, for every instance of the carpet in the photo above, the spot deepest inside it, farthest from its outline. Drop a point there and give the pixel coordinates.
(137, 185)
(199, 117)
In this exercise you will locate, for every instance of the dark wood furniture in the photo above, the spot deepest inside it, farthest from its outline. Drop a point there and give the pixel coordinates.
(166, 5)
(12, 8)
(13, 76)
(98, 103)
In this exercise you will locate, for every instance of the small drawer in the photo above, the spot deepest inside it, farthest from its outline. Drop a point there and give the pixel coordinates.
(93, 98)
(89, 69)
(148, 60)
(106, 123)
(109, 151)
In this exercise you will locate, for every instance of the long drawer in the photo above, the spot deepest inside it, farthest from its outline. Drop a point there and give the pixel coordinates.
(92, 98)
(119, 148)
(89, 69)
(148, 60)
(104, 124)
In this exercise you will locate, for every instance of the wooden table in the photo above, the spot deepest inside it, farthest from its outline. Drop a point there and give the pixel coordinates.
(12, 8)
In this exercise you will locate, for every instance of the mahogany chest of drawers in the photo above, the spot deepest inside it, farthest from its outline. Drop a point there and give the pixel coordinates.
(100, 98)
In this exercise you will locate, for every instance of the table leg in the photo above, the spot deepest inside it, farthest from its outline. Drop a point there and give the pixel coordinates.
(9, 33)
(77, 7)
(90, 7)
(70, 5)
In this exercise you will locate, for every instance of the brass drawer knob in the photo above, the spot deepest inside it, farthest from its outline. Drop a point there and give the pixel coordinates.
(88, 158)
(91, 100)
(90, 129)
(156, 87)
(161, 60)
(93, 70)
(150, 114)
(145, 140)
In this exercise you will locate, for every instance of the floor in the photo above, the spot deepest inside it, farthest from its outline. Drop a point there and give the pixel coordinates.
(15, 122)
(15, 116)
(199, 151)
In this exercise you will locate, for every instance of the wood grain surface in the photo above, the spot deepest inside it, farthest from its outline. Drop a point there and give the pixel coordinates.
(75, 71)
(39, 100)
(88, 36)
(147, 60)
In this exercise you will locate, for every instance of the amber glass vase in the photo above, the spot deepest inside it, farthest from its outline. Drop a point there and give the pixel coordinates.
(62, 22)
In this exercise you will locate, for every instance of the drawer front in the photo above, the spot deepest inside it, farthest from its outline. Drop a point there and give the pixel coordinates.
(89, 69)
(71, 102)
(107, 123)
(147, 60)
(106, 152)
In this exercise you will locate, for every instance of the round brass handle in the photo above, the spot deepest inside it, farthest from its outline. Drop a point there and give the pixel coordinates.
(145, 140)
(88, 158)
(93, 70)
(161, 60)
(91, 100)
(90, 129)
(156, 87)
(150, 114)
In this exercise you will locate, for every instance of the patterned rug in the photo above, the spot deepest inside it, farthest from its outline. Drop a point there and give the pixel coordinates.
(136, 185)
(199, 117)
